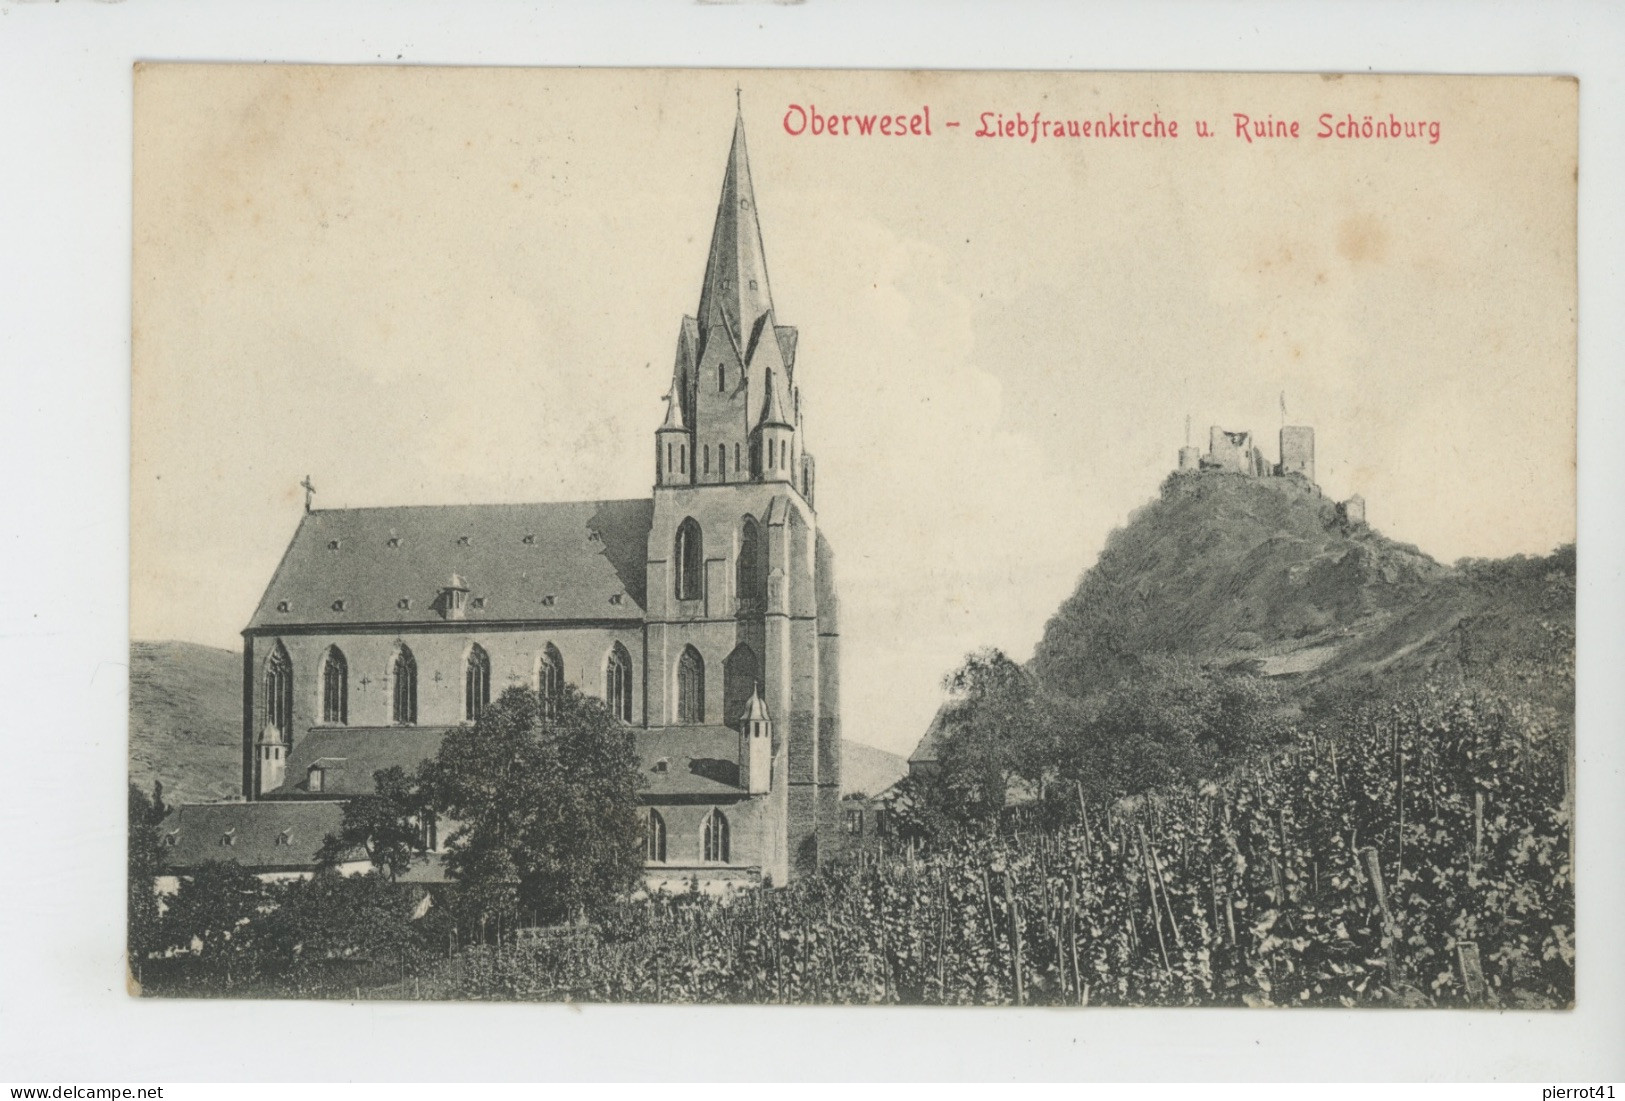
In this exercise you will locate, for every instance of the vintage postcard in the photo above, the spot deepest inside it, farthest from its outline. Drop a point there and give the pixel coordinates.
(829, 537)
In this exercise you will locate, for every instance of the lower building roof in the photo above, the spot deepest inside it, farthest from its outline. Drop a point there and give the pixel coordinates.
(259, 836)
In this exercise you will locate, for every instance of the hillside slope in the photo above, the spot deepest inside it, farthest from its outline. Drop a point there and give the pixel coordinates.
(1264, 572)
(186, 726)
(186, 720)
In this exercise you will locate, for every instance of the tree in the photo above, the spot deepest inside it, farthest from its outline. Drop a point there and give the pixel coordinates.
(997, 733)
(213, 904)
(387, 825)
(145, 862)
(545, 802)
(338, 917)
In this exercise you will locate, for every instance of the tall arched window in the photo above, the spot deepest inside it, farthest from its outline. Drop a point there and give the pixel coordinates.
(741, 673)
(403, 687)
(654, 844)
(714, 838)
(690, 559)
(476, 683)
(722, 378)
(691, 687)
(279, 694)
(750, 573)
(618, 683)
(549, 679)
(335, 688)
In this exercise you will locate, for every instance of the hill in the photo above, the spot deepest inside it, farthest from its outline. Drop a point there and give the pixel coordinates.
(867, 770)
(1266, 574)
(186, 726)
(186, 720)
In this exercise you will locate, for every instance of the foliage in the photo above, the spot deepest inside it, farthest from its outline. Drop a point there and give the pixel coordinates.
(1257, 892)
(388, 825)
(994, 736)
(545, 801)
(336, 917)
(213, 904)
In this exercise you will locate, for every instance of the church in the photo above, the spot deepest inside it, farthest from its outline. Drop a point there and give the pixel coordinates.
(704, 615)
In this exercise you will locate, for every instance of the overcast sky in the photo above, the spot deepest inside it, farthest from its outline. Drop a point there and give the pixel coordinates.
(430, 286)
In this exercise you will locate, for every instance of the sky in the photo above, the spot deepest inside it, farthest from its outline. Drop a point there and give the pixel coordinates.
(426, 286)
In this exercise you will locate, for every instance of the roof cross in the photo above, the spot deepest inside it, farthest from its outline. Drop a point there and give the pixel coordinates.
(310, 490)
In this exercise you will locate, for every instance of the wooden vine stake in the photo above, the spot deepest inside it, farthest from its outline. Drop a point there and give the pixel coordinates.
(1471, 971)
(1478, 825)
(1373, 869)
(1015, 938)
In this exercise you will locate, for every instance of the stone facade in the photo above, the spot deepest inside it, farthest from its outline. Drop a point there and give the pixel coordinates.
(714, 598)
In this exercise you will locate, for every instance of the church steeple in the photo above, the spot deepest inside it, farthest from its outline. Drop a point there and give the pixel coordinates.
(734, 389)
(735, 294)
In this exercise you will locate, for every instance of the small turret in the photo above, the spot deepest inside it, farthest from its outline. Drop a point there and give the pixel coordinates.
(270, 760)
(672, 442)
(771, 446)
(755, 746)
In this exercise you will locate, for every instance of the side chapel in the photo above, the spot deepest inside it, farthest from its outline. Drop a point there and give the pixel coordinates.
(704, 615)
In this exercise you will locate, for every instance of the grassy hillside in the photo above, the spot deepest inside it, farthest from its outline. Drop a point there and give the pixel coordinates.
(186, 720)
(186, 726)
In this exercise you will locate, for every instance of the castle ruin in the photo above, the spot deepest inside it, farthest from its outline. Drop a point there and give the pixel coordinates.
(1231, 452)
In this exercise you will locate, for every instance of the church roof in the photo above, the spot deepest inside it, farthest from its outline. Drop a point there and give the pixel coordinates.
(349, 755)
(571, 560)
(262, 835)
(735, 293)
(698, 760)
(689, 760)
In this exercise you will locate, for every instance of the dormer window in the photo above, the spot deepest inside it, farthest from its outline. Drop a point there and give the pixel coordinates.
(229, 838)
(547, 601)
(338, 605)
(662, 765)
(284, 838)
(454, 598)
(404, 604)
(476, 602)
(529, 540)
(462, 540)
(170, 838)
(315, 778)
(332, 544)
(283, 606)
(394, 542)
(615, 598)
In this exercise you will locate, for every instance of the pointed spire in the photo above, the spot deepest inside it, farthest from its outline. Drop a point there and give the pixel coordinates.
(674, 407)
(736, 292)
(773, 405)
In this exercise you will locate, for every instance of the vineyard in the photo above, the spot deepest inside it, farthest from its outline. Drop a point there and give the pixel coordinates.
(1421, 858)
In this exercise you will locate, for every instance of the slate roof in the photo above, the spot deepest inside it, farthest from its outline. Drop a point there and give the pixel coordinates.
(264, 836)
(351, 754)
(936, 735)
(699, 760)
(571, 560)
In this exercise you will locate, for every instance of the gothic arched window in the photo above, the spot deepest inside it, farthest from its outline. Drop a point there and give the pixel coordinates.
(741, 673)
(279, 694)
(549, 679)
(750, 575)
(714, 838)
(335, 688)
(403, 686)
(691, 687)
(654, 844)
(618, 683)
(722, 379)
(690, 558)
(476, 683)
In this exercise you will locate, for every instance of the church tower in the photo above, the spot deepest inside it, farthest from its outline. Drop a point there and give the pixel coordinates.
(740, 582)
